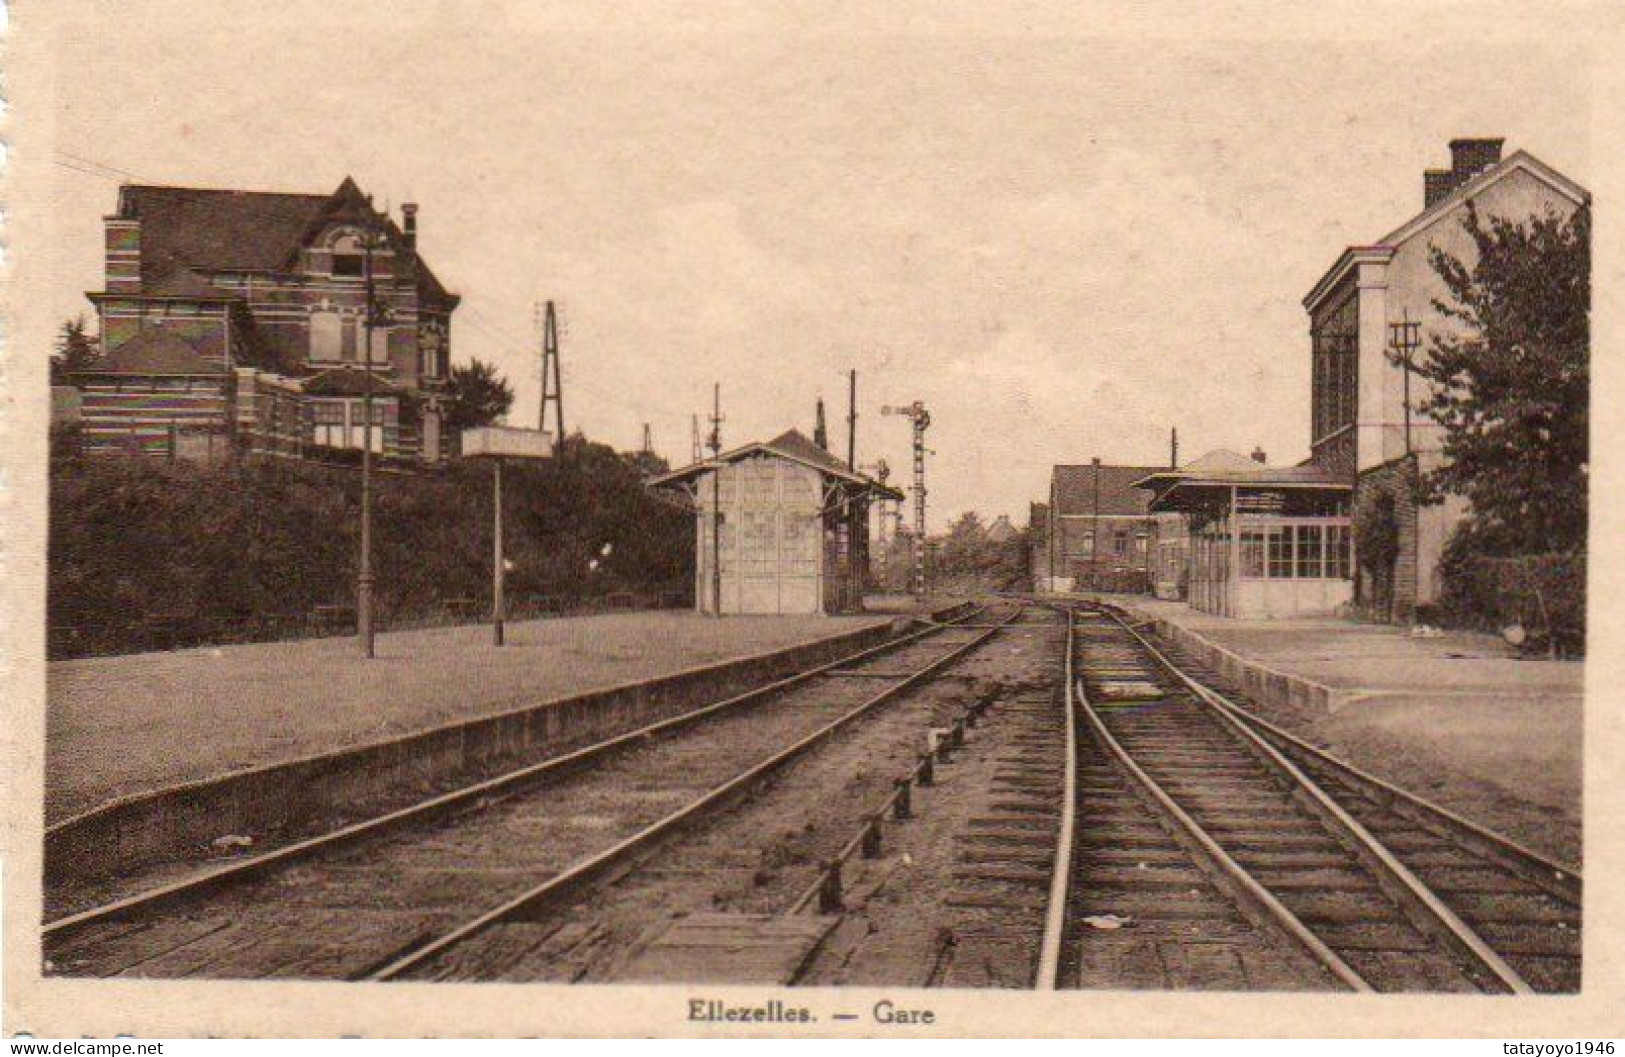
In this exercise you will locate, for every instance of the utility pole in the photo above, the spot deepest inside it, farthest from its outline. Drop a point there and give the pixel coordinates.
(1173, 448)
(852, 420)
(371, 317)
(1094, 529)
(552, 379)
(882, 540)
(921, 419)
(499, 573)
(716, 500)
(1405, 338)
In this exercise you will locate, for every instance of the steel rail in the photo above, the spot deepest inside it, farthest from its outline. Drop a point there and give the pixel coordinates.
(562, 884)
(1557, 879)
(1261, 897)
(1049, 949)
(508, 782)
(1435, 916)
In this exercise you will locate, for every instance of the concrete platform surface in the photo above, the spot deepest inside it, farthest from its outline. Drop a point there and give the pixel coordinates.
(122, 725)
(1459, 718)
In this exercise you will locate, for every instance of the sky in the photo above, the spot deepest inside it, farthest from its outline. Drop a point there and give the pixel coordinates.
(1063, 243)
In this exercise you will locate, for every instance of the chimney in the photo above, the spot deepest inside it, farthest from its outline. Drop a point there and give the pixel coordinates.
(409, 224)
(1259, 456)
(1436, 185)
(1469, 157)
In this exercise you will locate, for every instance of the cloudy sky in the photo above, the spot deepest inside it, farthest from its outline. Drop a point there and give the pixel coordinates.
(1063, 238)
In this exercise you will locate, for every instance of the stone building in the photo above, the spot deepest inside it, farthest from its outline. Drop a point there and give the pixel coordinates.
(1364, 430)
(234, 320)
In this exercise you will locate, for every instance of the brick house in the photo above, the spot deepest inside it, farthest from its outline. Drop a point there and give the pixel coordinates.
(1363, 429)
(233, 320)
(1099, 528)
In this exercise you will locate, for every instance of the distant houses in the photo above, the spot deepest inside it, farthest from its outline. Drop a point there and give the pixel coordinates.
(236, 320)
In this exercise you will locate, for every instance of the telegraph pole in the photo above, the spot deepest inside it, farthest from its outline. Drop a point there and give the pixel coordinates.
(921, 419)
(552, 380)
(716, 500)
(852, 420)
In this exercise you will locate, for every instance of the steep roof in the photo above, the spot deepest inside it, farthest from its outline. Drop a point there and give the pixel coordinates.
(207, 230)
(1383, 249)
(1072, 490)
(155, 351)
(794, 445)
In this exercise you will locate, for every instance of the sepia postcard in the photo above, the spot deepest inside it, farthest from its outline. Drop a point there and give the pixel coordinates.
(831, 520)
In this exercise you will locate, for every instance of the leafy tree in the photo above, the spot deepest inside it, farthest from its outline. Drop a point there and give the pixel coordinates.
(1511, 386)
(479, 396)
(75, 350)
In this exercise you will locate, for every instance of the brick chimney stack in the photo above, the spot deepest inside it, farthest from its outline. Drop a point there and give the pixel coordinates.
(1468, 158)
(409, 224)
(1259, 456)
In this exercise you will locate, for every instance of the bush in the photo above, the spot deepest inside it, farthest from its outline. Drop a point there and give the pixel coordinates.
(146, 554)
(1544, 593)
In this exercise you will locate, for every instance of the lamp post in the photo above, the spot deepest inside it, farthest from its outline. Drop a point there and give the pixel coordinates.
(370, 319)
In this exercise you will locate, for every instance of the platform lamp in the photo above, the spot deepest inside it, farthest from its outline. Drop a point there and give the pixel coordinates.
(496, 445)
(1404, 338)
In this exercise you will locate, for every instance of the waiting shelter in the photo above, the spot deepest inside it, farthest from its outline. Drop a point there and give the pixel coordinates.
(1264, 541)
(780, 527)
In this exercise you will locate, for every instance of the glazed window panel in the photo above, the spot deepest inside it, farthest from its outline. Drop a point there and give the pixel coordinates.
(1252, 554)
(1309, 553)
(1278, 541)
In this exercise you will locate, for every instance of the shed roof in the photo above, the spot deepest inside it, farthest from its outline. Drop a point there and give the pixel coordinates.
(792, 444)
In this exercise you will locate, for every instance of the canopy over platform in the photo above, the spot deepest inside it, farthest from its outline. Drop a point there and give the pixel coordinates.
(1265, 541)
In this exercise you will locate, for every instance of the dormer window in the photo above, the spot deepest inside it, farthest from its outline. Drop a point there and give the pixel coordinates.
(349, 261)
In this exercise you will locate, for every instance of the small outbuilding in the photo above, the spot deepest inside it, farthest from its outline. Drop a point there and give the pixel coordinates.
(781, 526)
(1263, 541)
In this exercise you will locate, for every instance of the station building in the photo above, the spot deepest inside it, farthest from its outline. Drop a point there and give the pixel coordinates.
(1365, 434)
(233, 320)
(1098, 529)
(781, 526)
(1258, 541)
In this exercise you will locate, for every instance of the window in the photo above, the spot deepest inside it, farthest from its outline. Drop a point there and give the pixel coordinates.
(1252, 554)
(349, 261)
(1309, 552)
(326, 335)
(1278, 541)
(1120, 542)
(342, 423)
(1088, 543)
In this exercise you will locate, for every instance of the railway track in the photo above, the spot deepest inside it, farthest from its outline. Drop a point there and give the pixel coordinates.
(383, 898)
(1215, 851)
(1526, 907)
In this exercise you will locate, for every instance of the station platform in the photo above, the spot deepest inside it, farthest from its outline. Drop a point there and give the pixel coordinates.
(119, 727)
(1458, 718)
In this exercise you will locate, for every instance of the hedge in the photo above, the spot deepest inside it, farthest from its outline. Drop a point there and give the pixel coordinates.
(1544, 593)
(147, 554)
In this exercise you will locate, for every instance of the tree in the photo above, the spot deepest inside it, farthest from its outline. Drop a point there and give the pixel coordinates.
(1511, 385)
(479, 396)
(75, 350)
